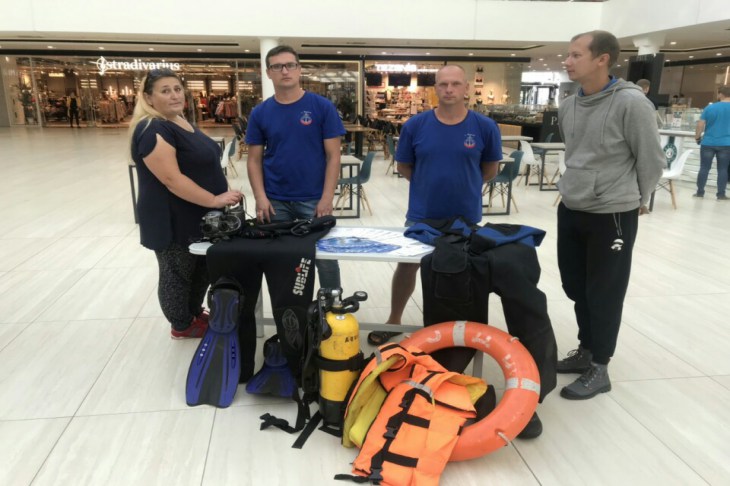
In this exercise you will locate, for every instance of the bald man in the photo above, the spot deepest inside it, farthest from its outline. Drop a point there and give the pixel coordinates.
(446, 154)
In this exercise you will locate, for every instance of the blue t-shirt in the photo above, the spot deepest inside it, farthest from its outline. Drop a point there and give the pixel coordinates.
(293, 138)
(717, 128)
(164, 218)
(447, 178)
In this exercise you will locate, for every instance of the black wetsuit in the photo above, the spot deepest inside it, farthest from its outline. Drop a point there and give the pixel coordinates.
(459, 275)
(288, 263)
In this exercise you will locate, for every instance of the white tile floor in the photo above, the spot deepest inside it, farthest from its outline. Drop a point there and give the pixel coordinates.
(92, 387)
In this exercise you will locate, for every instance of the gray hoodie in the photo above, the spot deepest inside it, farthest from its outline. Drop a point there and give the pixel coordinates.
(613, 157)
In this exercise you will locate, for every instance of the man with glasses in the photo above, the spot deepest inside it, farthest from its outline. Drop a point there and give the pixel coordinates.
(294, 151)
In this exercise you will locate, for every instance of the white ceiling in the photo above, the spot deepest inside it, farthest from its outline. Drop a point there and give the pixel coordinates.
(706, 41)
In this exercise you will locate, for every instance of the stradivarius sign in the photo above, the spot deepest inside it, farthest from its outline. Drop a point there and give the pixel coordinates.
(105, 65)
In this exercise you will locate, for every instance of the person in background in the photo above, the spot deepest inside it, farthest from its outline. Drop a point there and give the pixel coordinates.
(613, 162)
(715, 123)
(180, 180)
(293, 142)
(72, 104)
(645, 85)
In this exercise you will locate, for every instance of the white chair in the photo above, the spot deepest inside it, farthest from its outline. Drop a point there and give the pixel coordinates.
(227, 158)
(561, 171)
(668, 177)
(531, 163)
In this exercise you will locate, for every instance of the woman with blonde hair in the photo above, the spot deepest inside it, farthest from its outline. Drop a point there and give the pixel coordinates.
(180, 179)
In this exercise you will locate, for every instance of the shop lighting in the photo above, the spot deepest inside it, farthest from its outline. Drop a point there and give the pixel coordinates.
(150, 48)
(428, 53)
(691, 57)
(101, 48)
(200, 50)
(513, 54)
(247, 50)
(673, 43)
(56, 75)
(471, 53)
(50, 47)
(383, 53)
(402, 68)
(719, 54)
(339, 52)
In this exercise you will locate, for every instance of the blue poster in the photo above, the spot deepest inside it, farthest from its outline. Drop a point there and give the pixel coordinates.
(353, 244)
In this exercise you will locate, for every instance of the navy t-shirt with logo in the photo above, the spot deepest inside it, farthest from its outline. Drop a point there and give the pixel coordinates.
(293, 138)
(447, 178)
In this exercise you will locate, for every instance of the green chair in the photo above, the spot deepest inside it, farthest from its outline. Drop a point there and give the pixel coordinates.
(346, 185)
(502, 185)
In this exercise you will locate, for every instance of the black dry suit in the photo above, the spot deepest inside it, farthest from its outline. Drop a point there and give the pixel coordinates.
(468, 263)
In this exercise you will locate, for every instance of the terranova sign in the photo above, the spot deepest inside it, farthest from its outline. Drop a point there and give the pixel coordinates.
(135, 65)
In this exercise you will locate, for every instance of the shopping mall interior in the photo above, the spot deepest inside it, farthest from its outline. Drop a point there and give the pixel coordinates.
(92, 389)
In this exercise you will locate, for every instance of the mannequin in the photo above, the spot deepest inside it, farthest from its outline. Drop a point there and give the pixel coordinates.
(490, 97)
(506, 97)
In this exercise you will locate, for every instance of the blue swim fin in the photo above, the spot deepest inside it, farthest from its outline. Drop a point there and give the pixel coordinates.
(216, 366)
(274, 377)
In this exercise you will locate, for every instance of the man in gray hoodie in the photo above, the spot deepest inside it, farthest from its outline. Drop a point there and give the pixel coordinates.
(614, 161)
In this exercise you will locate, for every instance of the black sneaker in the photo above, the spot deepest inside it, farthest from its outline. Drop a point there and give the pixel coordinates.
(591, 383)
(533, 429)
(722, 198)
(577, 361)
(697, 194)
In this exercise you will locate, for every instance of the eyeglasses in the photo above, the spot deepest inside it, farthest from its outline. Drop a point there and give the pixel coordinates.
(290, 66)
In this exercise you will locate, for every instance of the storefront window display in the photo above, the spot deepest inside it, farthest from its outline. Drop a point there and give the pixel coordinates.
(39, 90)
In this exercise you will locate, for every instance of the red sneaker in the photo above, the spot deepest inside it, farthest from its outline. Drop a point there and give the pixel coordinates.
(196, 329)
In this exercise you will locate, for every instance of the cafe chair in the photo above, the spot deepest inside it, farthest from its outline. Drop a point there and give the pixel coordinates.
(346, 185)
(533, 165)
(502, 185)
(541, 152)
(561, 170)
(227, 158)
(239, 127)
(669, 176)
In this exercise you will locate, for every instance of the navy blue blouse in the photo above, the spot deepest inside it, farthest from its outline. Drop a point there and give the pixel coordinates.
(165, 218)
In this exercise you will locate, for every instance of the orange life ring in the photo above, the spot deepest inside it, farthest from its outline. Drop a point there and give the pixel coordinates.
(522, 382)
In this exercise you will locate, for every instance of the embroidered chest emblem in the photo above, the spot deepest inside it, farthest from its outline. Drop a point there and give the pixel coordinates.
(306, 118)
(470, 141)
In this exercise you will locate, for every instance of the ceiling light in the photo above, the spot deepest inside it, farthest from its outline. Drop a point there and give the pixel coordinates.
(428, 53)
(247, 50)
(383, 53)
(50, 47)
(691, 57)
(626, 60)
(150, 48)
(618, 65)
(513, 54)
(673, 43)
(560, 55)
(541, 59)
(719, 54)
(339, 52)
(471, 53)
(101, 48)
(200, 50)
(544, 64)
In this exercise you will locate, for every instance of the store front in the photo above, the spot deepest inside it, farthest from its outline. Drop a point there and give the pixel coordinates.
(46, 91)
(397, 90)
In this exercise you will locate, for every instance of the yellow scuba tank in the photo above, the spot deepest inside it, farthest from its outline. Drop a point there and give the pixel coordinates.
(340, 358)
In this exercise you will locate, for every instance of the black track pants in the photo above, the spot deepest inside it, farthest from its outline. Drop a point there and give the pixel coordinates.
(594, 276)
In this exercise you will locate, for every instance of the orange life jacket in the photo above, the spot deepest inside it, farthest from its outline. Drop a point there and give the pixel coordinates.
(424, 408)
